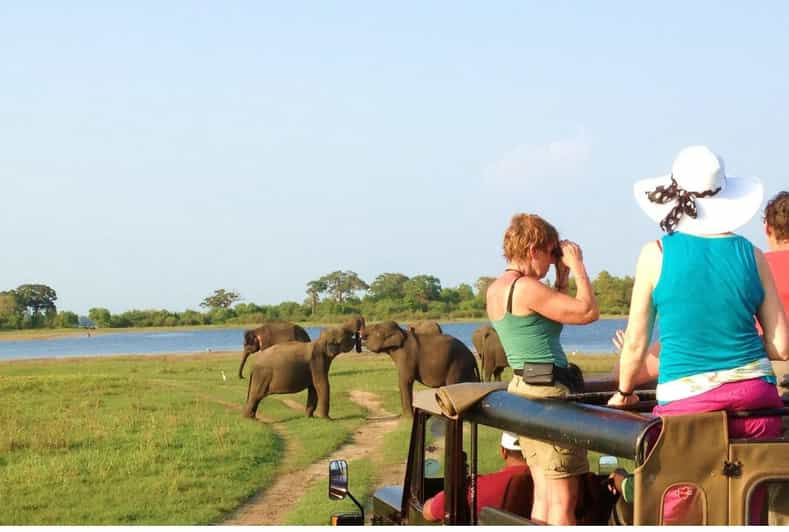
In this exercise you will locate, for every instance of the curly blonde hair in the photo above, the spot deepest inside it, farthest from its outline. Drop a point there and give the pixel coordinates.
(528, 231)
(776, 215)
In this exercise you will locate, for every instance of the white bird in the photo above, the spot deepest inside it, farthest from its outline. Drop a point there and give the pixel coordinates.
(224, 377)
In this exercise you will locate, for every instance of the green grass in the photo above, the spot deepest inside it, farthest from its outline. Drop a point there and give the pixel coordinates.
(159, 440)
(114, 450)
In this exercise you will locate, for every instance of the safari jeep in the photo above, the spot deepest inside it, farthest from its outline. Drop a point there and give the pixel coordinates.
(725, 481)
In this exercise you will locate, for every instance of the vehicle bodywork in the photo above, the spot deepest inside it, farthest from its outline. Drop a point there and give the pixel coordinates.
(666, 452)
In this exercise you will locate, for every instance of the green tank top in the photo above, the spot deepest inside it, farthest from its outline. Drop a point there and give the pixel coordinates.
(533, 338)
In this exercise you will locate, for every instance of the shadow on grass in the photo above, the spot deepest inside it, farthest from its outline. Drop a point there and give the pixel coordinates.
(363, 371)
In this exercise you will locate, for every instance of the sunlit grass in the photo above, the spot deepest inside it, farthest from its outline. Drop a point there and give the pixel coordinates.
(160, 439)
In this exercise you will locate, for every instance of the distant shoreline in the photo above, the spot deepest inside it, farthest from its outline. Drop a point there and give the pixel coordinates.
(52, 334)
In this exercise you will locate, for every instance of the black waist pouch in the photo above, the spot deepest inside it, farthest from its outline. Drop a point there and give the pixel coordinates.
(549, 374)
(539, 374)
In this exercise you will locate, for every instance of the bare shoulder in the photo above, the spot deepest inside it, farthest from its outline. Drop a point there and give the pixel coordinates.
(650, 262)
(651, 251)
(758, 254)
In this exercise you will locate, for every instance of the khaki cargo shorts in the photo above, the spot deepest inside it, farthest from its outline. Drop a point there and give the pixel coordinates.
(555, 461)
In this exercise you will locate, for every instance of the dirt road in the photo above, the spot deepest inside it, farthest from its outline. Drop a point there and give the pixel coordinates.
(271, 505)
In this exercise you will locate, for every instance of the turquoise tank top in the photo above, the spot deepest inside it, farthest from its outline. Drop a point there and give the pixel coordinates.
(706, 298)
(533, 338)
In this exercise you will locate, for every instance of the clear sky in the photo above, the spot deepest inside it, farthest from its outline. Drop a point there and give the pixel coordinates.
(151, 152)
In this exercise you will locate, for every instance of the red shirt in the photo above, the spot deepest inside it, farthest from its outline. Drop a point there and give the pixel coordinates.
(490, 490)
(778, 261)
(779, 266)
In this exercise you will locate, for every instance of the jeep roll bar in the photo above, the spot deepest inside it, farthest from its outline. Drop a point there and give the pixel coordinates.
(566, 422)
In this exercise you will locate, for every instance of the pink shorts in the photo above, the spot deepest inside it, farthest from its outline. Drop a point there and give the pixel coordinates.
(753, 394)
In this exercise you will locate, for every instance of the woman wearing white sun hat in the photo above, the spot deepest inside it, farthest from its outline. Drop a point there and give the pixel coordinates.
(706, 284)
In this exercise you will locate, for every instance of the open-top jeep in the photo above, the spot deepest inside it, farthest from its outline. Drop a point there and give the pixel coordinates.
(724, 481)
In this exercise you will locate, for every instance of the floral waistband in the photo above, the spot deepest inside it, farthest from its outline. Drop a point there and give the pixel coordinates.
(703, 382)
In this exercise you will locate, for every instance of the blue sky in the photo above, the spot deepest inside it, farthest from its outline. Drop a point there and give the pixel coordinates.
(154, 151)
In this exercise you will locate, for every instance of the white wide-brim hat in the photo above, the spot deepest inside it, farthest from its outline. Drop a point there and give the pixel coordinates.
(696, 169)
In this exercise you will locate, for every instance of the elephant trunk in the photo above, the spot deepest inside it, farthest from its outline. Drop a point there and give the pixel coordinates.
(244, 357)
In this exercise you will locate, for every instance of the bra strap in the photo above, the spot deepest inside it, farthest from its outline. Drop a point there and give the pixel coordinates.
(509, 299)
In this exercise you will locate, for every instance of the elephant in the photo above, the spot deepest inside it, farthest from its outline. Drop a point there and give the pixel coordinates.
(491, 352)
(273, 332)
(291, 367)
(432, 359)
(426, 327)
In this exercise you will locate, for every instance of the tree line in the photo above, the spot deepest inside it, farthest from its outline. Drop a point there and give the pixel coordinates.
(329, 298)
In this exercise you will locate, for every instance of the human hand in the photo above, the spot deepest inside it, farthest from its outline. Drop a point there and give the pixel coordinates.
(572, 256)
(615, 480)
(621, 401)
(618, 340)
(562, 274)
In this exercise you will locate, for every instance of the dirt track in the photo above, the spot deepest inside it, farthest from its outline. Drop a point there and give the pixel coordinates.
(270, 506)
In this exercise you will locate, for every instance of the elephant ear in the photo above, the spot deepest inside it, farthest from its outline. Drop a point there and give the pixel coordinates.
(394, 339)
(264, 338)
(251, 340)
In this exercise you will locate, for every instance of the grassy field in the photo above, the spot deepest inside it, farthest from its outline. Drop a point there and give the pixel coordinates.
(159, 440)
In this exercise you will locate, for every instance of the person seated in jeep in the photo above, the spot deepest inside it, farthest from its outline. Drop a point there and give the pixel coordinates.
(490, 487)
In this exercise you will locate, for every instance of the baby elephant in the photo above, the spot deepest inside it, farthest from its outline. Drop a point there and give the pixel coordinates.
(432, 359)
(273, 332)
(426, 327)
(491, 353)
(291, 367)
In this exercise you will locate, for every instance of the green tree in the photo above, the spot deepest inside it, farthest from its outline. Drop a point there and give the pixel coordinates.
(388, 286)
(314, 290)
(482, 285)
(613, 293)
(465, 292)
(221, 298)
(421, 290)
(66, 319)
(100, 316)
(342, 284)
(191, 317)
(10, 315)
(35, 299)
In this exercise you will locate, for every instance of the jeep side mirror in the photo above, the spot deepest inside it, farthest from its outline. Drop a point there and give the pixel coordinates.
(338, 479)
(338, 489)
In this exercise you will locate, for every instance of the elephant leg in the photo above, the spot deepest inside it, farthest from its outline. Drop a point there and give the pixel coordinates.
(312, 400)
(323, 393)
(487, 371)
(497, 374)
(258, 389)
(406, 394)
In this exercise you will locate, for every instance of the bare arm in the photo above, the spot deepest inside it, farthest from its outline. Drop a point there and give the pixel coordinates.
(639, 324)
(555, 304)
(649, 371)
(771, 314)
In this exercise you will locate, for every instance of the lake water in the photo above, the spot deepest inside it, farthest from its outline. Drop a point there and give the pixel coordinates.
(593, 338)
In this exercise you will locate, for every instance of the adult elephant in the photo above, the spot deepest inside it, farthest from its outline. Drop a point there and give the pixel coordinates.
(426, 327)
(432, 359)
(273, 332)
(491, 352)
(291, 367)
